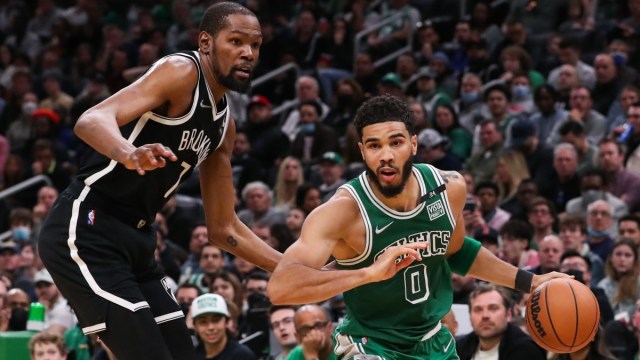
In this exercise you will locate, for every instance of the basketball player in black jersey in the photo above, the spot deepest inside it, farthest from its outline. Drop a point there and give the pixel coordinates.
(148, 137)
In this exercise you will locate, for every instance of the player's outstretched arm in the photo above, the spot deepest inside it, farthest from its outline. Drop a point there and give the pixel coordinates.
(473, 259)
(170, 81)
(218, 194)
(299, 277)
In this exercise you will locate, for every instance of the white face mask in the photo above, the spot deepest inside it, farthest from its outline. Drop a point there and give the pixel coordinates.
(29, 107)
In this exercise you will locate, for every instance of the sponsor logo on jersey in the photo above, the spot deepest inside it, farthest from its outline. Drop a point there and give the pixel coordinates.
(438, 243)
(435, 210)
(197, 141)
(91, 217)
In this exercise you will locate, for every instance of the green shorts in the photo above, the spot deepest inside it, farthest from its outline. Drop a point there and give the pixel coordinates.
(439, 344)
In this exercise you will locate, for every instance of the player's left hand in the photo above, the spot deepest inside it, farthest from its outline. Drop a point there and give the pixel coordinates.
(539, 279)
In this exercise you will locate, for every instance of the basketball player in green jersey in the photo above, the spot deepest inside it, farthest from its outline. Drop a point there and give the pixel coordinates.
(396, 232)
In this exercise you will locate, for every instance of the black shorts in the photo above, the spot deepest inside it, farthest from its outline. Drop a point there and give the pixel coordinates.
(98, 261)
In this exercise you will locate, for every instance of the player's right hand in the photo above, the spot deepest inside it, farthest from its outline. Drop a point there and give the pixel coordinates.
(149, 157)
(386, 266)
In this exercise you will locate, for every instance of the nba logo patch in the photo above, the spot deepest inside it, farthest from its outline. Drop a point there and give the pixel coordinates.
(364, 341)
(91, 217)
(435, 210)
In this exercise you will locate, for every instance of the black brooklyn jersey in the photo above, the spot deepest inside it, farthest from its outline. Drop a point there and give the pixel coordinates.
(192, 137)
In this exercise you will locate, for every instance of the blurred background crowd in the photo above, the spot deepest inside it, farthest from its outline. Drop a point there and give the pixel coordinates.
(535, 102)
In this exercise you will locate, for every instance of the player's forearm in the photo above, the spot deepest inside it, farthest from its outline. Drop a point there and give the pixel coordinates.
(102, 135)
(294, 283)
(242, 242)
(488, 267)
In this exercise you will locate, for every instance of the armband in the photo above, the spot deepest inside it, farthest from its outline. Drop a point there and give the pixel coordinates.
(461, 261)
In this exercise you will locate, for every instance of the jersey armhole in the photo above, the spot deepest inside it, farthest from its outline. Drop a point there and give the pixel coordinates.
(368, 242)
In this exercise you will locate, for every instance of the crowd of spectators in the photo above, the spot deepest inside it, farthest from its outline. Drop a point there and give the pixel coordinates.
(536, 103)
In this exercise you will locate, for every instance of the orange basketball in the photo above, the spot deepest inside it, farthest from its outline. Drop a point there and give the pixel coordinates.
(562, 315)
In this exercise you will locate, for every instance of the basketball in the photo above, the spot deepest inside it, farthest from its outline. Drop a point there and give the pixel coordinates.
(562, 315)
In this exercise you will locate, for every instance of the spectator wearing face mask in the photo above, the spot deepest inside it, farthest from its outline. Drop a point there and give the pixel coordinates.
(592, 188)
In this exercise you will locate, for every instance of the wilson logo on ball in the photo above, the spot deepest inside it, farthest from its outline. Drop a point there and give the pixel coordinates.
(535, 310)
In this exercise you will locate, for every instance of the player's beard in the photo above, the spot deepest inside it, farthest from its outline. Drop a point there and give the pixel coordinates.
(391, 190)
(228, 81)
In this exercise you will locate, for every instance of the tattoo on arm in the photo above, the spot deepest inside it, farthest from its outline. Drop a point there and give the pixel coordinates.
(446, 175)
(232, 241)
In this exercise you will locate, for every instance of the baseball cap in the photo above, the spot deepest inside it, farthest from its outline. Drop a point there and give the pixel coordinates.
(333, 157)
(442, 57)
(391, 79)
(430, 138)
(521, 131)
(43, 276)
(486, 234)
(425, 71)
(209, 304)
(259, 100)
(9, 245)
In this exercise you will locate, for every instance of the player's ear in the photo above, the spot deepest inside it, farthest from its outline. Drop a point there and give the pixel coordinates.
(414, 144)
(205, 42)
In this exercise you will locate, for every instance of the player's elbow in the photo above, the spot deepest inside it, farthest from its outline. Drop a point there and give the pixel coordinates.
(276, 293)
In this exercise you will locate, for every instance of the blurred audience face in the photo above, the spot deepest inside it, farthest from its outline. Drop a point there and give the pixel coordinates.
(568, 78)
(572, 237)
(243, 266)
(211, 259)
(199, 237)
(513, 248)
(579, 264)
(488, 199)
(308, 114)
(599, 215)
(312, 320)
(292, 169)
(241, 145)
(259, 114)
(186, 295)
(611, 158)
(497, 103)
(295, 218)
(565, 162)
(312, 200)
(629, 229)
(489, 316)
(580, 100)
(257, 286)
(444, 118)
(569, 56)
(47, 196)
(605, 68)
(550, 251)
(627, 98)
(307, 88)
(544, 102)
(540, 216)
(622, 259)
(406, 66)
(363, 65)
(211, 328)
(258, 200)
(283, 327)
(223, 288)
(526, 192)
(489, 135)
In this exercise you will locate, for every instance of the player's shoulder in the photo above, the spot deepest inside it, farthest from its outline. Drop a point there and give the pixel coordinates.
(340, 209)
(176, 67)
(456, 186)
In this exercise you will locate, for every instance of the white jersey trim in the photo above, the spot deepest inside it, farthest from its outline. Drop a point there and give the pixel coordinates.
(368, 238)
(84, 269)
(168, 317)
(94, 329)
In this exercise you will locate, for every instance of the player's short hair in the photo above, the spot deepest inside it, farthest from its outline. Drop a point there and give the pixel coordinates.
(382, 109)
(216, 16)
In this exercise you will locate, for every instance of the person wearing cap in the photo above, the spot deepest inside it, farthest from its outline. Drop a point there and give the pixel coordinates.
(427, 91)
(523, 139)
(433, 149)
(58, 314)
(268, 143)
(391, 84)
(210, 318)
(444, 76)
(331, 173)
(144, 142)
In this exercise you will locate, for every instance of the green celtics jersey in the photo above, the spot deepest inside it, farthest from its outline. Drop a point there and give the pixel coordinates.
(401, 310)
